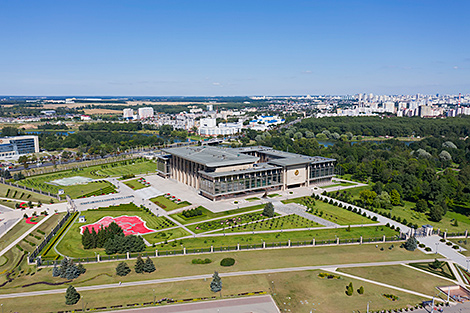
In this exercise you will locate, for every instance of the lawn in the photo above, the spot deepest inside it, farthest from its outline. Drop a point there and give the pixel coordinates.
(177, 266)
(15, 232)
(167, 204)
(282, 222)
(252, 199)
(277, 237)
(70, 243)
(444, 271)
(297, 292)
(333, 213)
(120, 168)
(135, 184)
(400, 276)
(166, 235)
(23, 195)
(464, 243)
(206, 214)
(227, 222)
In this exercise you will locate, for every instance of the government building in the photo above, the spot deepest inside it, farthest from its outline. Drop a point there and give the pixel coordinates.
(12, 147)
(222, 173)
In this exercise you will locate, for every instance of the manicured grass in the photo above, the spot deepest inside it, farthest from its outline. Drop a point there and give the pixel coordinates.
(333, 213)
(167, 204)
(166, 235)
(96, 188)
(23, 195)
(444, 271)
(282, 222)
(464, 243)
(135, 184)
(290, 292)
(176, 266)
(252, 199)
(400, 276)
(226, 222)
(206, 214)
(274, 195)
(97, 171)
(71, 243)
(15, 232)
(294, 236)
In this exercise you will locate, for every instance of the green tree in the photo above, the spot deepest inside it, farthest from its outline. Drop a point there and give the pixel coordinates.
(367, 196)
(436, 213)
(360, 290)
(216, 283)
(71, 296)
(149, 267)
(411, 244)
(81, 268)
(122, 269)
(139, 265)
(349, 289)
(9, 131)
(268, 210)
(421, 206)
(395, 197)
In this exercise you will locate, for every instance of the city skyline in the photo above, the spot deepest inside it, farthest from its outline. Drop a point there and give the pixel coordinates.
(228, 49)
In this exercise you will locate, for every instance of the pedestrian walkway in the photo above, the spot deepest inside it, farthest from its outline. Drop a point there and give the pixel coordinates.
(293, 208)
(447, 251)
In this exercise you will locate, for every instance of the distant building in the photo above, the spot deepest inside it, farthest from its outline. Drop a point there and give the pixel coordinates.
(208, 127)
(145, 112)
(128, 113)
(263, 123)
(11, 147)
(48, 112)
(85, 117)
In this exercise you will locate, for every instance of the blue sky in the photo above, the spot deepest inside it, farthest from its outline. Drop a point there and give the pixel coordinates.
(202, 47)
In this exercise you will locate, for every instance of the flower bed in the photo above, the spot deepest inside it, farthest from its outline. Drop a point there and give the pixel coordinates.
(32, 220)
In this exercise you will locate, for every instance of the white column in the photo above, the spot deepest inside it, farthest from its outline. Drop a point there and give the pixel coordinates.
(313, 242)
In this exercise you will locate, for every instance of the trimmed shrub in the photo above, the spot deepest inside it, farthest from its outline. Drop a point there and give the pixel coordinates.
(227, 262)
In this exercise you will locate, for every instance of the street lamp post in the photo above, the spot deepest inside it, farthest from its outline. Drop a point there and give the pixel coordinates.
(368, 306)
(467, 260)
(437, 246)
(154, 297)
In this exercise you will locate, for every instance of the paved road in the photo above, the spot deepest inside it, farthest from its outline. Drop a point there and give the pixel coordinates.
(207, 276)
(259, 304)
(444, 250)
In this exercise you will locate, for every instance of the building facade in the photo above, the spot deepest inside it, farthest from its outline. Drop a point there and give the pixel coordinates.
(11, 147)
(145, 112)
(221, 173)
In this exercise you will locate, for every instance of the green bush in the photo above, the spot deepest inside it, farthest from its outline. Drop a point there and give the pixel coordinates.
(227, 262)
(201, 261)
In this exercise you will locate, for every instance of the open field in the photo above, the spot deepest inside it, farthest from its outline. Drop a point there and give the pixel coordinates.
(167, 204)
(206, 214)
(333, 213)
(71, 244)
(297, 292)
(277, 237)
(400, 276)
(102, 111)
(177, 266)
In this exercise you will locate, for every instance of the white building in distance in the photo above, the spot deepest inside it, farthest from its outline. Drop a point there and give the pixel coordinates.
(208, 127)
(145, 112)
(128, 113)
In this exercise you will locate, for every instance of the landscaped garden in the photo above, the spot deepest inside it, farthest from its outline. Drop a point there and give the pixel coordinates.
(227, 222)
(437, 267)
(464, 243)
(330, 212)
(206, 214)
(11, 192)
(169, 202)
(71, 245)
(137, 184)
(51, 182)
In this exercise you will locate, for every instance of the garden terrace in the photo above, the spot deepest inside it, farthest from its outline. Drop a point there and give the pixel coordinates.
(21, 195)
(327, 235)
(227, 222)
(330, 212)
(169, 203)
(206, 214)
(137, 184)
(282, 222)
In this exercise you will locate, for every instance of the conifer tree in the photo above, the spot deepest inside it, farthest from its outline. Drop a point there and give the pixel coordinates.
(122, 269)
(55, 271)
(149, 267)
(81, 268)
(216, 283)
(268, 210)
(71, 296)
(139, 265)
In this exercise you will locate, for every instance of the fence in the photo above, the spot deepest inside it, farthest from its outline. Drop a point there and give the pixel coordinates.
(57, 196)
(238, 247)
(49, 237)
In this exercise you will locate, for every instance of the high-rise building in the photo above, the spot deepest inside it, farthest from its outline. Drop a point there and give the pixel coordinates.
(145, 112)
(127, 113)
(11, 147)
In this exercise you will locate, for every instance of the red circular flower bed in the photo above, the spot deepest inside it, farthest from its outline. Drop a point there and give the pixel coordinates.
(32, 220)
